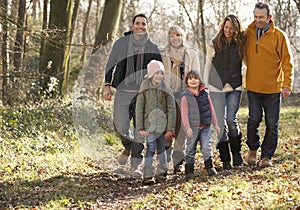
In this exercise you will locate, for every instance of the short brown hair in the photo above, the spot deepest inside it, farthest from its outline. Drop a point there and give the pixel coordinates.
(261, 5)
(193, 74)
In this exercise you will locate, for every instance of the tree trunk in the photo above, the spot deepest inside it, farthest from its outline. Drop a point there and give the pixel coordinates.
(18, 51)
(53, 55)
(98, 13)
(202, 35)
(84, 32)
(72, 11)
(109, 23)
(298, 5)
(4, 53)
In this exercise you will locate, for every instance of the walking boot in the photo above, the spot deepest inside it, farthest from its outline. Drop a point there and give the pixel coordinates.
(266, 162)
(189, 171)
(224, 154)
(251, 159)
(235, 146)
(161, 173)
(123, 158)
(210, 167)
(178, 158)
(148, 173)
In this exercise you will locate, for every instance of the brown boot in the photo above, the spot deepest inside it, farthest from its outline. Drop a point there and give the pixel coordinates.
(266, 162)
(122, 160)
(251, 159)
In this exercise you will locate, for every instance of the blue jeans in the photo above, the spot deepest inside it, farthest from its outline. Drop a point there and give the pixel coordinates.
(226, 105)
(156, 141)
(270, 105)
(203, 136)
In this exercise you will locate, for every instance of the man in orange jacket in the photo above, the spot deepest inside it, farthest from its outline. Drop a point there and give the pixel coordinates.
(269, 77)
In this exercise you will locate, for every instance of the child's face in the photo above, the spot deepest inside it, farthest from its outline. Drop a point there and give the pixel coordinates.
(158, 77)
(193, 82)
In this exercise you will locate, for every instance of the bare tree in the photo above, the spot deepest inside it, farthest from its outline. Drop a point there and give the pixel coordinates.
(4, 53)
(298, 5)
(84, 31)
(109, 23)
(19, 43)
(58, 35)
(72, 15)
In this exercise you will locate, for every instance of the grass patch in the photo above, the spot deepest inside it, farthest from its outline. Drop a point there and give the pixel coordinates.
(50, 161)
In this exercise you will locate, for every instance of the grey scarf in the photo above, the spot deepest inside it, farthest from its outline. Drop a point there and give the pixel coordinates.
(134, 73)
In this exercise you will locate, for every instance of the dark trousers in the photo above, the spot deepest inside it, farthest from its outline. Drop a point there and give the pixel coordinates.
(269, 104)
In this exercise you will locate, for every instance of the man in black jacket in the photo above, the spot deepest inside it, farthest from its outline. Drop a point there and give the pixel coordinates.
(125, 71)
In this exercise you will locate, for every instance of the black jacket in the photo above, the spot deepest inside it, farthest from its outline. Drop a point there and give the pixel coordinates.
(116, 66)
(227, 64)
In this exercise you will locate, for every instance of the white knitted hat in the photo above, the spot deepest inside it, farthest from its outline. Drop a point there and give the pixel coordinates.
(153, 67)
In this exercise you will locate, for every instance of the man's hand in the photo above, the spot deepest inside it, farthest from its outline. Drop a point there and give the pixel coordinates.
(286, 92)
(107, 93)
(169, 135)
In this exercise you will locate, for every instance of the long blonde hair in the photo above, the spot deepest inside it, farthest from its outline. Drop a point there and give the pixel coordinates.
(239, 36)
(179, 30)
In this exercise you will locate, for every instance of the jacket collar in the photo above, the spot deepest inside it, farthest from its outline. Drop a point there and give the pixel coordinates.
(252, 27)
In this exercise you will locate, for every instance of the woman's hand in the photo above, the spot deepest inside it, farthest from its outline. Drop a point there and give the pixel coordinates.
(189, 132)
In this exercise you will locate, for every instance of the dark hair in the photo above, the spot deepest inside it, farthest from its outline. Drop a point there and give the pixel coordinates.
(261, 5)
(220, 40)
(193, 74)
(139, 15)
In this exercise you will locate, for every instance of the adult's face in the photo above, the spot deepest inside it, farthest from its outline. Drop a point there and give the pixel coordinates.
(140, 26)
(261, 17)
(228, 30)
(175, 39)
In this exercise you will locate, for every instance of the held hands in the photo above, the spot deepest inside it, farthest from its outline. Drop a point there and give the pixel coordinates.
(144, 133)
(189, 132)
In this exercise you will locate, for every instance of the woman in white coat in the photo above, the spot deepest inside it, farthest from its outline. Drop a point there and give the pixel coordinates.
(178, 59)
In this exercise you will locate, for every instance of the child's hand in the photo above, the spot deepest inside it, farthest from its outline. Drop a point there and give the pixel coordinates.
(144, 133)
(189, 132)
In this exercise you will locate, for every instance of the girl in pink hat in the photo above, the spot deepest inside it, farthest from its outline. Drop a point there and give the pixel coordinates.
(155, 120)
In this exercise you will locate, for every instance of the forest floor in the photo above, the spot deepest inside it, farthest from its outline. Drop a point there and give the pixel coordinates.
(53, 170)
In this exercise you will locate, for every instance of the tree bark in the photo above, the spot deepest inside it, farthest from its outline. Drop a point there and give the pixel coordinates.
(18, 51)
(53, 56)
(298, 5)
(44, 30)
(4, 53)
(109, 23)
(84, 32)
(72, 15)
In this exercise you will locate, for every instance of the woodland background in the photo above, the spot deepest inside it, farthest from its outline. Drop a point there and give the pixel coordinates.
(57, 145)
(46, 44)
